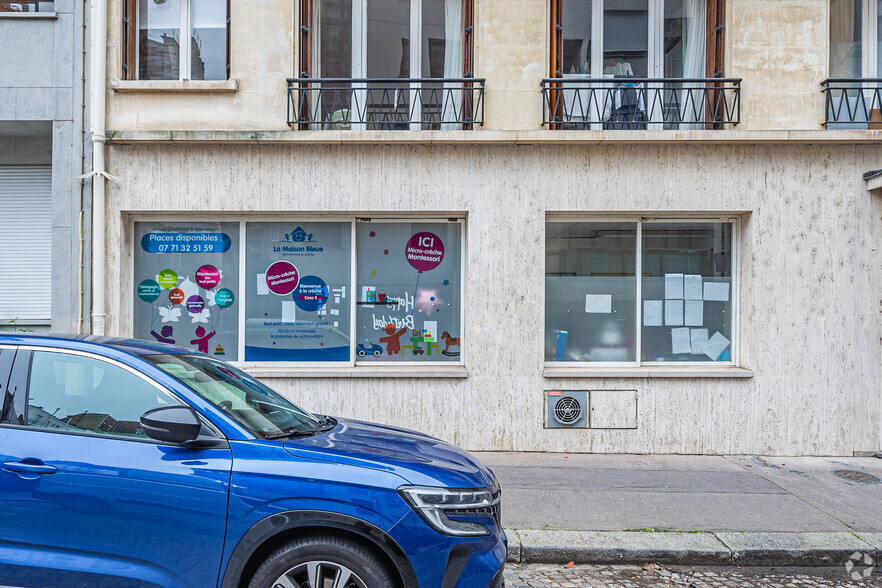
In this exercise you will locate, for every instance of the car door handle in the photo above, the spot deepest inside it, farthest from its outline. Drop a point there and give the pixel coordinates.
(28, 468)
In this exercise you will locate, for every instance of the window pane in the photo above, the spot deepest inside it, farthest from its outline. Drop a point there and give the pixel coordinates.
(408, 289)
(298, 291)
(577, 37)
(687, 292)
(442, 39)
(845, 38)
(879, 39)
(75, 393)
(187, 285)
(208, 43)
(684, 39)
(334, 55)
(590, 292)
(28, 6)
(159, 38)
(626, 38)
(388, 38)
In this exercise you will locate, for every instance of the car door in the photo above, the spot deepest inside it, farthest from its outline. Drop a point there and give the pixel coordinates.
(87, 498)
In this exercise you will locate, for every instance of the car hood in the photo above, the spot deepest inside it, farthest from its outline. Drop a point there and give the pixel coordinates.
(418, 458)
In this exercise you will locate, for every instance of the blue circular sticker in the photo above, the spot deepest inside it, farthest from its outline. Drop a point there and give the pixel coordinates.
(311, 293)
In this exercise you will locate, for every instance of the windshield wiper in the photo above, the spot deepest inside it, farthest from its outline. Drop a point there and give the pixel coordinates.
(293, 433)
(326, 424)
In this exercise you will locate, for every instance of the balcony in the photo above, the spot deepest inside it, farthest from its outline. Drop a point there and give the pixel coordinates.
(385, 103)
(640, 103)
(852, 103)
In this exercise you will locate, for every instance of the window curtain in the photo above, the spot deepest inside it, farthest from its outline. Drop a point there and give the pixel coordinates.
(452, 64)
(695, 23)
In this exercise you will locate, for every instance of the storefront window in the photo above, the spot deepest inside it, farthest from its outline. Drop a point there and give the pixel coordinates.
(187, 285)
(297, 291)
(408, 291)
(590, 292)
(686, 292)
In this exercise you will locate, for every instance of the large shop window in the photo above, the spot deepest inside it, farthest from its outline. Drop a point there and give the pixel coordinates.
(176, 40)
(636, 292)
(306, 291)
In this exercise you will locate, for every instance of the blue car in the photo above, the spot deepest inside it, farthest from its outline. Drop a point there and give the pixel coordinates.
(128, 463)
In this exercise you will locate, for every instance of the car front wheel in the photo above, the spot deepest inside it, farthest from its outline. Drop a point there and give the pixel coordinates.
(322, 562)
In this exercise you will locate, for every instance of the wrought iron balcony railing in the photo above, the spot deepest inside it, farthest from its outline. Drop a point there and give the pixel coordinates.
(573, 102)
(853, 103)
(386, 103)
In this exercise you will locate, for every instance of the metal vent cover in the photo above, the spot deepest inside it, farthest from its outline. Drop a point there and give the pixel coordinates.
(856, 476)
(566, 409)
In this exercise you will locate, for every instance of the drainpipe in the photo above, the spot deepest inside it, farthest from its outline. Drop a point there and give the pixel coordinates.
(99, 175)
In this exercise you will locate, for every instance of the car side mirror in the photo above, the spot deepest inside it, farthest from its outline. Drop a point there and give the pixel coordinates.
(172, 424)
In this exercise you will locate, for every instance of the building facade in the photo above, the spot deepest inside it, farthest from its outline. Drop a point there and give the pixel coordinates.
(534, 225)
(44, 208)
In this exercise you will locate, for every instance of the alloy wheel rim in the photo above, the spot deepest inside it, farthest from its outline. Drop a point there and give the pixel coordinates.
(319, 574)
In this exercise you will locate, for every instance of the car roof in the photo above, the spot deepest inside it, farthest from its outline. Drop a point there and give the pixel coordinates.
(137, 347)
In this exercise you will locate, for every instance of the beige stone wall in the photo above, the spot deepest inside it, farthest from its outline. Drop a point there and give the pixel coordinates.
(809, 279)
(779, 48)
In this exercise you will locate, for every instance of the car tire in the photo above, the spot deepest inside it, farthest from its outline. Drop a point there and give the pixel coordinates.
(305, 561)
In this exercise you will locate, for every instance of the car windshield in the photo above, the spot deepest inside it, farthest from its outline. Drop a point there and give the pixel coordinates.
(253, 405)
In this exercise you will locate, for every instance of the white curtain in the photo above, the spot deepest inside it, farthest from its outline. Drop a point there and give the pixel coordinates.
(695, 23)
(451, 96)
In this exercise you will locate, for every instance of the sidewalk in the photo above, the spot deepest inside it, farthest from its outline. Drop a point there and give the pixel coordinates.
(696, 510)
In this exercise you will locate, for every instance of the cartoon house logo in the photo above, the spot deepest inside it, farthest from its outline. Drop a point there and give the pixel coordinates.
(298, 235)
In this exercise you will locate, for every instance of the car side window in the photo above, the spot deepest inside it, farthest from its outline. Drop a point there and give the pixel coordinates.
(7, 390)
(85, 394)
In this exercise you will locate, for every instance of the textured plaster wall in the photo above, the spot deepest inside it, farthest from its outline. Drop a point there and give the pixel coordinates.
(809, 296)
(779, 48)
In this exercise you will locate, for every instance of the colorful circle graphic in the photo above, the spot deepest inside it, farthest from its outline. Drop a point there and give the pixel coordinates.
(195, 304)
(207, 277)
(149, 290)
(176, 296)
(282, 278)
(168, 278)
(311, 294)
(424, 251)
(224, 298)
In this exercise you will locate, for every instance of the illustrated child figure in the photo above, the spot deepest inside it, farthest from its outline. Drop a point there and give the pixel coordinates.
(166, 334)
(393, 342)
(201, 340)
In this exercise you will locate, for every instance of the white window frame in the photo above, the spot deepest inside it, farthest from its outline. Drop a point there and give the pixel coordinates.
(638, 271)
(404, 217)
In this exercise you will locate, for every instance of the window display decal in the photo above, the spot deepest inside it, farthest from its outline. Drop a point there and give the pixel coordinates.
(401, 309)
(298, 308)
(186, 277)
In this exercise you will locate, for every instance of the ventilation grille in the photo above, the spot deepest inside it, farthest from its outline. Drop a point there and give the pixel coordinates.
(567, 410)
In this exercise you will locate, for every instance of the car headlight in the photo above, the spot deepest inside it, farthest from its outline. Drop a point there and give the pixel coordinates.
(435, 505)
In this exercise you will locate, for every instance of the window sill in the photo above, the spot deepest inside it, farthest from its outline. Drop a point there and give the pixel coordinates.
(647, 372)
(29, 15)
(379, 371)
(175, 86)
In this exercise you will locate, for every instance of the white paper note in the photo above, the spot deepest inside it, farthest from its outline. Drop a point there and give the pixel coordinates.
(715, 346)
(652, 313)
(673, 286)
(598, 303)
(289, 312)
(680, 342)
(693, 313)
(262, 288)
(699, 339)
(692, 287)
(717, 291)
(673, 313)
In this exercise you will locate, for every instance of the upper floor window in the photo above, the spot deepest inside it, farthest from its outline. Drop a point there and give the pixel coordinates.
(176, 40)
(855, 54)
(855, 47)
(601, 42)
(388, 39)
(31, 6)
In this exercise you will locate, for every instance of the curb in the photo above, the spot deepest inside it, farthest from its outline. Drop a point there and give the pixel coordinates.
(810, 549)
